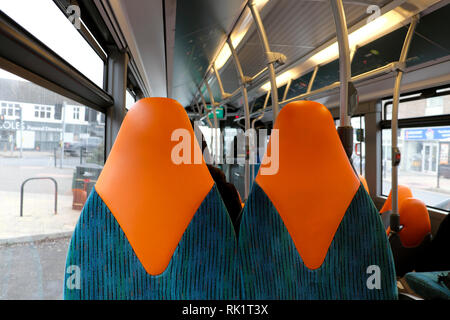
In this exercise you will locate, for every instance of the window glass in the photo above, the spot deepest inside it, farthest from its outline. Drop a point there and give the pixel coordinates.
(425, 166)
(42, 138)
(420, 108)
(129, 100)
(45, 21)
(359, 145)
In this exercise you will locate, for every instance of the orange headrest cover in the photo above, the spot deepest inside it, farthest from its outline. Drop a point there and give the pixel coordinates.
(152, 198)
(415, 220)
(315, 182)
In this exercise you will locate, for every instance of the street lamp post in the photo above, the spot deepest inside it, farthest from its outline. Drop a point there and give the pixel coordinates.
(21, 132)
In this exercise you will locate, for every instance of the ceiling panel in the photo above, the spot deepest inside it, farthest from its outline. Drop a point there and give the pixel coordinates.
(294, 28)
(142, 25)
(201, 26)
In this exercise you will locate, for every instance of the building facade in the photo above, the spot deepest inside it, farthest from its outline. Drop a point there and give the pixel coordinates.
(32, 118)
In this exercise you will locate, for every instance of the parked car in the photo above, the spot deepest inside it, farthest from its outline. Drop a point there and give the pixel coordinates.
(86, 145)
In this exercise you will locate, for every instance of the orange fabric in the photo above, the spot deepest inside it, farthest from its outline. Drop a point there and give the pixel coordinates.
(403, 193)
(415, 220)
(315, 183)
(152, 198)
(364, 182)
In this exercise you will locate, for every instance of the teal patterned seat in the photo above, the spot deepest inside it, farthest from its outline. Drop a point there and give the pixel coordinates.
(309, 229)
(428, 286)
(273, 269)
(202, 267)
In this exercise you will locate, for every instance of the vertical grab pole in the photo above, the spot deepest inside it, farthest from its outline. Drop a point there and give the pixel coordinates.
(219, 81)
(243, 84)
(204, 109)
(246, 115)
(345, 129)
(288, 86)
(257, 119)
(216, 125)
(199, 111)
(396, 155)
(269, 56)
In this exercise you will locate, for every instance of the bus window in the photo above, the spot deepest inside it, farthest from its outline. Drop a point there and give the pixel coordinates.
(43, 135)
(359, 145)
(46, 21)
(425, 166)
(129, 99)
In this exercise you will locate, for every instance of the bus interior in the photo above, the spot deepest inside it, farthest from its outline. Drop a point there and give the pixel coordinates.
(225, 149)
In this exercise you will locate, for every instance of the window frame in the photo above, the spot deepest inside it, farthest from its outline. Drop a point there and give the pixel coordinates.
(416, 122)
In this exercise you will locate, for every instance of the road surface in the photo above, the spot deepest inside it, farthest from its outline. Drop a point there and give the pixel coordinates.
(33, 270)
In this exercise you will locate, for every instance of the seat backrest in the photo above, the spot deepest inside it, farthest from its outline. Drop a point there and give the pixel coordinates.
(311, 231)
(154, 228)
(409, 244)
(404, 192)
(415, 222)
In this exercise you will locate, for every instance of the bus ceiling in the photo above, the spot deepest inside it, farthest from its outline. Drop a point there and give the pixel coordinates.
(175, 47)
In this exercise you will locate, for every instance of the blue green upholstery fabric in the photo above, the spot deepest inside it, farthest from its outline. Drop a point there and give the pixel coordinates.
(203, 266)
(427, 286)
(272, 268)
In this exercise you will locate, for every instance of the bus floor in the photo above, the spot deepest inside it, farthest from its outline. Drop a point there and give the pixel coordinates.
(33, 270)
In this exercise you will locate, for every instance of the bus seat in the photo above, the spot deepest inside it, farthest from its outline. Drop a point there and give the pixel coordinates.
(404, 192)
(311, 231)
(415, 220)
(364, 183)
(409, 244)
(152, 229)
(428, 285)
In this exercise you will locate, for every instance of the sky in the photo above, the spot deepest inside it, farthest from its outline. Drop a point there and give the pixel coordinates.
(45, 21)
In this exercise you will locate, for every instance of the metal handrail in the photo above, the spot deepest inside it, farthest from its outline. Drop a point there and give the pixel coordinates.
(395, 217)
(38, 178)
(390, 67)
(263, 110)
(256, 76)
(257, 119)
(344, 59)
(270, 63)
(243, 88)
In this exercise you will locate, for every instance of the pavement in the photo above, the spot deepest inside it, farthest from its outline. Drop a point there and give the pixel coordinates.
(33, 248)
(33, 270)
(38, 201)
(38, 217)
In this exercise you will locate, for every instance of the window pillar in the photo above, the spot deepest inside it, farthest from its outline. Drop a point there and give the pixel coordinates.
(373, 148)
(116, 87)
